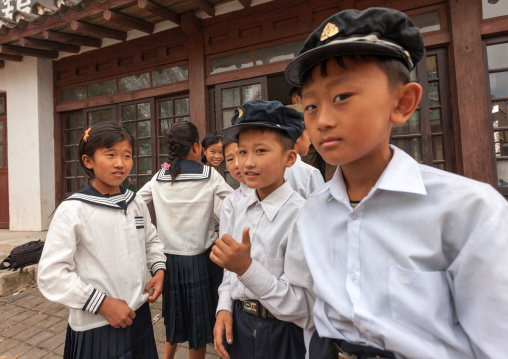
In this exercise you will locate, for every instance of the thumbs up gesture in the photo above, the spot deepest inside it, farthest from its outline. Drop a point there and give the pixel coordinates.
(231, 255)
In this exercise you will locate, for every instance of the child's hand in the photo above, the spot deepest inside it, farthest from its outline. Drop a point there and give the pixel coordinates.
(230, 254)
(156, 283)
(224, 321)
(117, 312)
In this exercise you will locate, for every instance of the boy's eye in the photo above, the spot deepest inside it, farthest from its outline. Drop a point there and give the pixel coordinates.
(242, 152)
(260, 150)
(342, 97)
(229, 160)
(310, 108)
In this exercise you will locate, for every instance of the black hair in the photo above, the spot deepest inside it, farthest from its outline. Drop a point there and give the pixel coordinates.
(101, 135)
(397, 73)
(282, 136)
(180, 138)
(225, 143)
(295, 91)
(210, 139)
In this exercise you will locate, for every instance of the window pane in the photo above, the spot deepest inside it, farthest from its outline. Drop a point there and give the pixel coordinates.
(252, 92)
(2, 131)
(182, 107)
(411, 146)
(1, 156)
(131, 128)
(233, 62)
(82, 183)
(145, 166)
(167, 76)
(72, 94)
(427, 22)
(107, 115)
(128, 113)
(145, 148)
(69, 122)
(81, 172)
(163, 146)
(80, 120)
(435, 121)
(227, 115)
(497, 56)
(434, 94)
(70, 169)
(69, 138)
(441, 166)
(143, 180)
(500, 114)
(493, 8)
(502, 173)
(438, 148)
(93, 117)
(278, 53)
(166, 108)
(182, 119)
(102, 88)
(413, 75)
(143, 111)
(231, 97)
(70, 153)
(131, 183)
(164, 125)
(410, 127)
(136, 82)
(432, 68)
(134, 164)
(501, 143)
(499, 84)
(2, 105)
(144, 129)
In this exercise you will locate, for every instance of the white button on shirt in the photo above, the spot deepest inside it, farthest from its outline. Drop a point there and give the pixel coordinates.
(418, 268)
(277, 258)
(304, 178)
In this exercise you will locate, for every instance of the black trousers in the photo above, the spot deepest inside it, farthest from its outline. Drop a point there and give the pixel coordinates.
(259, 338)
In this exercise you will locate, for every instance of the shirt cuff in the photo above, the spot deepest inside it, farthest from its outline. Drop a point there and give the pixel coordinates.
(157, 266)
(257, 279)
(225, 302)
(94, 302)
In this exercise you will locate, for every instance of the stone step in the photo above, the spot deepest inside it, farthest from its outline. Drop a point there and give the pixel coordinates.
(11, 281)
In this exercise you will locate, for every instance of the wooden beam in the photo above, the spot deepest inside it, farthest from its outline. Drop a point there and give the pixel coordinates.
(197, 89)
(15, 58)
(2, 64)
(71, 39)
(191, 25)
(245, 3)
(98, 31)
(21, 51)
(204, 6)
(159, 11)
(128, 21)
(48, 45)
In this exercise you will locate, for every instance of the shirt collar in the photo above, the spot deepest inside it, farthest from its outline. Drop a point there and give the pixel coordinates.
(189, 171)
(274, 201)
(246, 189)
(117, 201)
(401, 175)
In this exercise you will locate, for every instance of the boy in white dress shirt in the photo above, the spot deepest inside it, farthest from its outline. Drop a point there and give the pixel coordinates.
(303, 177)
(408, 261)
(256, 303)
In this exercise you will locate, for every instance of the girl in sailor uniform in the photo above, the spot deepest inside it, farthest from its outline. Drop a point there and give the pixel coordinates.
(98, 248)
(183, 196)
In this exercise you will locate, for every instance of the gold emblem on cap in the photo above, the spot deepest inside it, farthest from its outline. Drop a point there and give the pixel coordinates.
(407, 54)
(329, 31)
(240, 113)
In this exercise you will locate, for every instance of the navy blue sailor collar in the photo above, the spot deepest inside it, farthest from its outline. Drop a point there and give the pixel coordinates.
(117, 201)
(189, 171)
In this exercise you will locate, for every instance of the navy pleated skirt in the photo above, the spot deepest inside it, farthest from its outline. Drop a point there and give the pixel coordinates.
(136, 341)
(189, 299)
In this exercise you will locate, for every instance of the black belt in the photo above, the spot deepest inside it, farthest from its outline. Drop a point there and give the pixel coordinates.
(253, 307)
(342, 349)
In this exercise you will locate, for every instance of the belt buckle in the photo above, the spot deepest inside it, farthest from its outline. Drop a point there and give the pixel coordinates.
(250, 307)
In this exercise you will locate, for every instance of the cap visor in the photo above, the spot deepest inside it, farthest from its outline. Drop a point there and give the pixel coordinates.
(231, 133)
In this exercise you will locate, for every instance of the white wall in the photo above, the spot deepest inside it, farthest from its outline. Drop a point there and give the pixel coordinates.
(30, 130)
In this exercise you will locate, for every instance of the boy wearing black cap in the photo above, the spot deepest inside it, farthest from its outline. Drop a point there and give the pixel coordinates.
(256, 303)
(408, 261)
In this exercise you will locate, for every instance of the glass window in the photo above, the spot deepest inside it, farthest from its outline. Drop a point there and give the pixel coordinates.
(1, 130)
(136, 82)
(102, 88)
(427, 22)
(233, 62)
(2, 105)
(277, 53)
(170, 111)
(499, 84)
(497, 55)
(72, 94)
(167, 76)
(494, 8)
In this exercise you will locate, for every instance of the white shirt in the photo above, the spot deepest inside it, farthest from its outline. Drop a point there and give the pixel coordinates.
(418, 268)
(185, 208)
(277, 258)
(95, 248)
(304, 178)
(230, 202)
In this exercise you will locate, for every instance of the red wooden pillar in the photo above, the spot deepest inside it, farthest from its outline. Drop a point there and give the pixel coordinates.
(191, 25)
(472, 133)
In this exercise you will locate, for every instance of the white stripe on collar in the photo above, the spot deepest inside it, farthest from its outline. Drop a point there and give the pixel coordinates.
(110, 202)
(164, 175)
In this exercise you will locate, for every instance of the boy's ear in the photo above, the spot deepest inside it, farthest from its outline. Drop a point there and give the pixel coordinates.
(409, 97)
(87, 161)
(290, 158)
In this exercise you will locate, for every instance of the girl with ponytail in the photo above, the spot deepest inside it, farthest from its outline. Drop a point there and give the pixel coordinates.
(183, 194)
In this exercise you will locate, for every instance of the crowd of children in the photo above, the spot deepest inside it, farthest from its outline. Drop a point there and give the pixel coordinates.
(388, 259)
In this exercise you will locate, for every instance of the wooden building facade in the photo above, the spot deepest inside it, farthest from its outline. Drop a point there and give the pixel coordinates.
(198, 60)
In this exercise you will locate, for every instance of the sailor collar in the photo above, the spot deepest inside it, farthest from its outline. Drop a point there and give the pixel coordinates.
(189, 171)
(117, 201)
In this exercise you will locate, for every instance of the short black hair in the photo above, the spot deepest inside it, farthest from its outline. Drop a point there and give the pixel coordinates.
(398, 74)
(282, 136)
(295, 91)
(225, 144)
(210, 139)
(101, 135)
